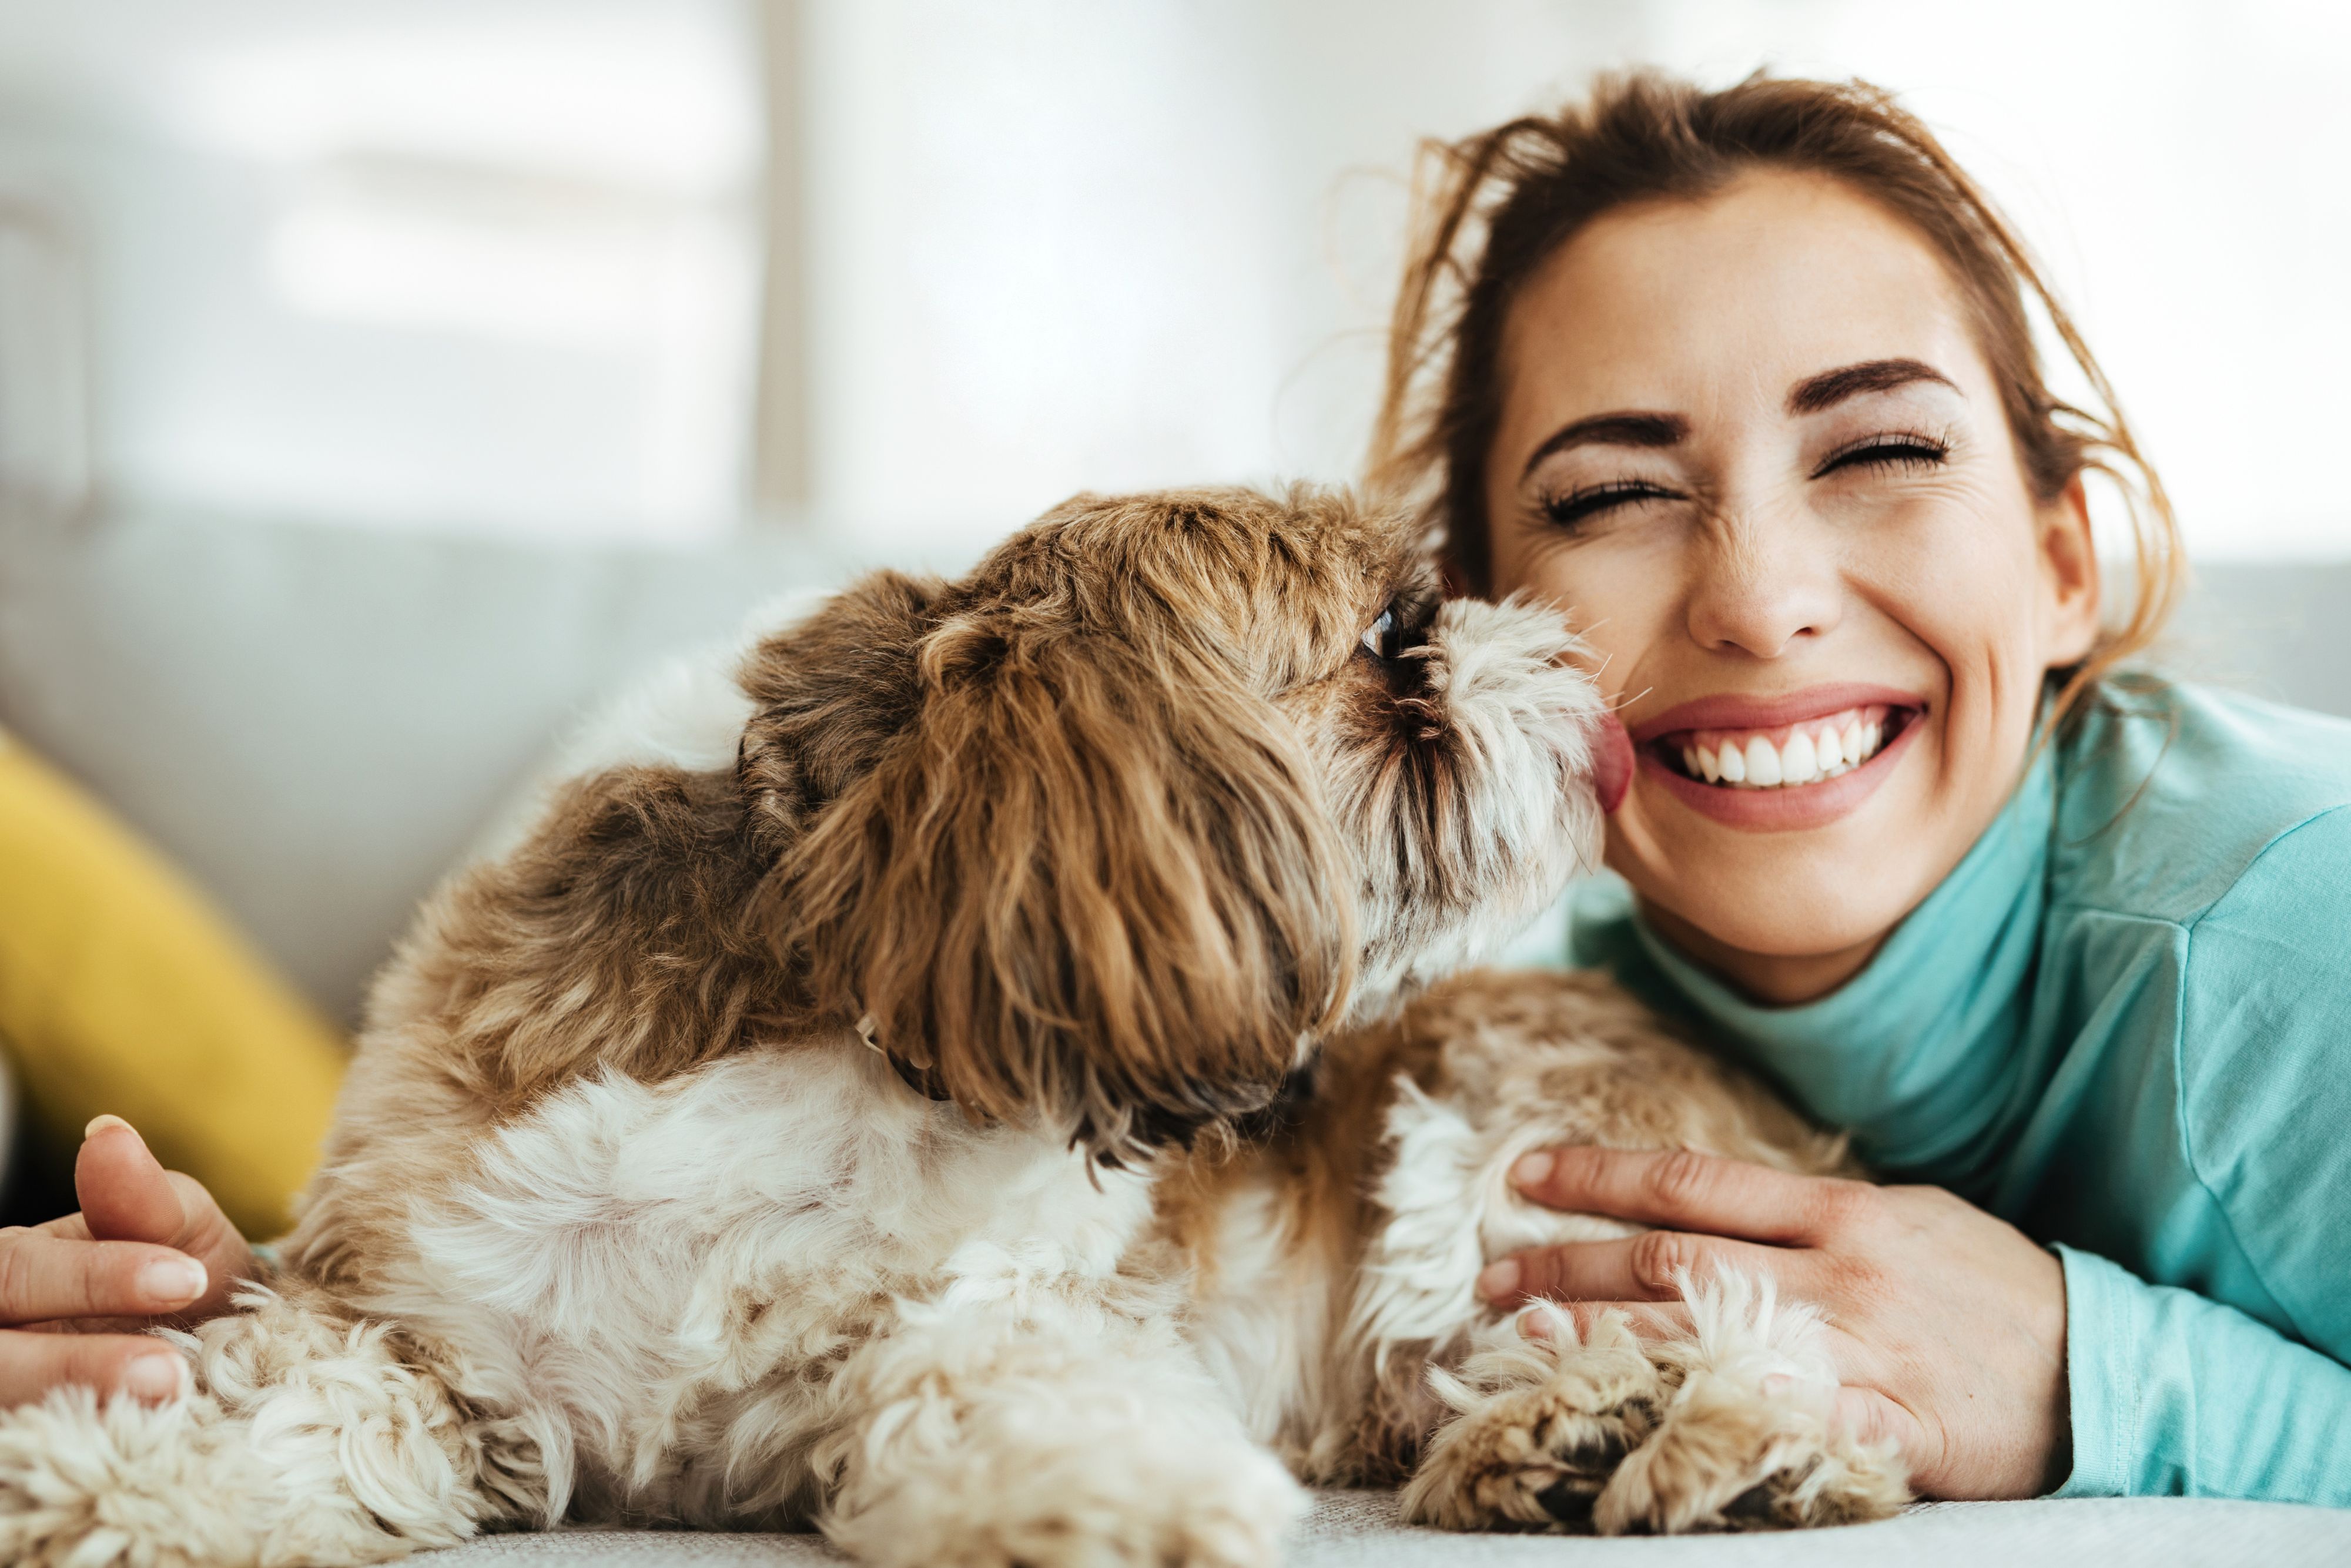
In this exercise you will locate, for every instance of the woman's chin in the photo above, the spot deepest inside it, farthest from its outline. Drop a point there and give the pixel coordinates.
(1810, 876)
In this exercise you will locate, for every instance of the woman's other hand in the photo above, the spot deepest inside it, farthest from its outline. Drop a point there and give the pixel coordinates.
(150, 1246)
(1948, 1325)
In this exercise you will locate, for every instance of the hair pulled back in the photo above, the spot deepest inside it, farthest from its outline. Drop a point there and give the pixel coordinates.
(1493, 207)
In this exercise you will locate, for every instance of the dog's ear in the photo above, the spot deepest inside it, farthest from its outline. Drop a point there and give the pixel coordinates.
(1091, 878)
(831, 694)
(627, 930)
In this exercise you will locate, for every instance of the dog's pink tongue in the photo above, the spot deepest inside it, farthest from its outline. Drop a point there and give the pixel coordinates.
(1612, 765)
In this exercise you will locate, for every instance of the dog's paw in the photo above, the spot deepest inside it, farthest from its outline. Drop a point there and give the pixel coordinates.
(1222, 1505)
(1728, 1457)
(1536, 1433)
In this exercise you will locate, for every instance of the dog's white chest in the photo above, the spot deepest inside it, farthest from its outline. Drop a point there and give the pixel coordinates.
(702, 1234)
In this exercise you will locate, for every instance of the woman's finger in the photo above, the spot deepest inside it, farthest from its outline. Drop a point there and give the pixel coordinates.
(1645, 1267)
(33, 1364)
(45, 1277)
(1685, 1190)
(126, 1194)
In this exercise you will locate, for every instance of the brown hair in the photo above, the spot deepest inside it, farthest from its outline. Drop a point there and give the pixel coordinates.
(1504, 201)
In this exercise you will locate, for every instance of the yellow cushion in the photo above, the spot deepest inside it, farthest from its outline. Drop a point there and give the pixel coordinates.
(122, 990)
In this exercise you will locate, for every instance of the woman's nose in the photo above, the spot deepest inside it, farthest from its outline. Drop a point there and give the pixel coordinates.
(1760, 588)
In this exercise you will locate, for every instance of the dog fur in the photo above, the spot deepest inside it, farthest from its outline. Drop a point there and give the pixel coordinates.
(891, 1102)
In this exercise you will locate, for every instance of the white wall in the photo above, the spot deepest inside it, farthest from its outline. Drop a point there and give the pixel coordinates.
(493, 263)
(475, 264)
(1056, 246)
(1059, 245)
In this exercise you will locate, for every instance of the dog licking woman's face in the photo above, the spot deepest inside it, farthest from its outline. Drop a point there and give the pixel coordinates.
(1113, 828)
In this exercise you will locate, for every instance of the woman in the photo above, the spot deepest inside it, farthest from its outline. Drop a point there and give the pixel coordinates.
(1746, 381)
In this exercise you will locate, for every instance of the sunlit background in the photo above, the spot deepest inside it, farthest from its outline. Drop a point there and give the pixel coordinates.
(899, 273)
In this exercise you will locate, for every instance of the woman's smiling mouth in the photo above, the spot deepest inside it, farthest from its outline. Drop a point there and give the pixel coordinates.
(1785, 756)
(1780, 763)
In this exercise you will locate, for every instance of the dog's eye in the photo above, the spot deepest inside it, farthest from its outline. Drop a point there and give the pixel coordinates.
(1383, 639)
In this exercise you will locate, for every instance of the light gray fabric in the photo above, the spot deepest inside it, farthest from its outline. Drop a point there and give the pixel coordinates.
(1358, 1529)
(2280, 632)
(315, 721)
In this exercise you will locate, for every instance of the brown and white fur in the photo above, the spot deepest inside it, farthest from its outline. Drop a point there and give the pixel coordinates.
(1334, 1267)
(831, 1111)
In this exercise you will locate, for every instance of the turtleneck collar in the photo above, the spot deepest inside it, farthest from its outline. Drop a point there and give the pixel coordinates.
(1924, 1051)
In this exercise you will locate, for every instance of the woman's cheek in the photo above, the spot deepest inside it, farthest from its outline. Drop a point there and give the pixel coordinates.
(1958, 578)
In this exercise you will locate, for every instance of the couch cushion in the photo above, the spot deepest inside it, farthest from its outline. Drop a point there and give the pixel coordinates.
(1358, 1529)
(2280, 630)
(315, 721)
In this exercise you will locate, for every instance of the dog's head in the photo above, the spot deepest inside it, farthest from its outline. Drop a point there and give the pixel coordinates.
(1112, 828)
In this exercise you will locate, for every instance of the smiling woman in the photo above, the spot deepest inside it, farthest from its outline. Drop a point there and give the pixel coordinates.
(1747, 382)
(1703, 488)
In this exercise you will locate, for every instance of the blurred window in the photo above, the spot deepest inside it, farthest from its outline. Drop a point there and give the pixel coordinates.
(485, 264)
(499, 264)
(1055, 245)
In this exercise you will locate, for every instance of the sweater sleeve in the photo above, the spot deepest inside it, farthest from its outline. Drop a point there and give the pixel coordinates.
(2175, 1393)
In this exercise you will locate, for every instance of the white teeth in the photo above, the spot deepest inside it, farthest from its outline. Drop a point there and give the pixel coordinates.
(1798, 764)
(1807, 755)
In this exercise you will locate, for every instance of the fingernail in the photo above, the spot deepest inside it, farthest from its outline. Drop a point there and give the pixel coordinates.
(1500, 1280)
(100, 1124)
(156, 1378)
(173, 1280)
(1530, 1170)
(1534, 1326)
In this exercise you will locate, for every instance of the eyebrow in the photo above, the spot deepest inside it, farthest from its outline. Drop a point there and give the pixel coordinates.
(1832, 387)
(1613, 430)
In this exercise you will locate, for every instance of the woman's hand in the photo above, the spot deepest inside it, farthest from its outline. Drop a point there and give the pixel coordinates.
(149, 1246)
(1948, 1325)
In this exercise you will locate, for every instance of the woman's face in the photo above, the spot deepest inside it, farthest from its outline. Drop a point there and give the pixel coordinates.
(1750, 445)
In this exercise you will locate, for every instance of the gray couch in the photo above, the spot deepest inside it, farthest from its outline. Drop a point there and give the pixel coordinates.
(1359, 1529)
(315, 721)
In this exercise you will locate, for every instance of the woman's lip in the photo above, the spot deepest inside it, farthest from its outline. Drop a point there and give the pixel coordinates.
(1731, 711)
(1786, 809)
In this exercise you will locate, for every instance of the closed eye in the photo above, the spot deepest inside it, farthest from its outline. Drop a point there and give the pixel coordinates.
(1886, 452)
(1581, 504)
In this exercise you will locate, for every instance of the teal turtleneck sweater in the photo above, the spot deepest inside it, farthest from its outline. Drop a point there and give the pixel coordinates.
(2123, 1023)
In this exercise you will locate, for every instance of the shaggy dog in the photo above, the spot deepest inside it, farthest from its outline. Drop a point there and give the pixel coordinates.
(827, 1112)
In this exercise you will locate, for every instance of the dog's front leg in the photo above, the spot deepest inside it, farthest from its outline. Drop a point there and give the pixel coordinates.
(1728, 1427)
(1054, 1430)
(1748, 1438)
(305, 1439)
(1534, 1430)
